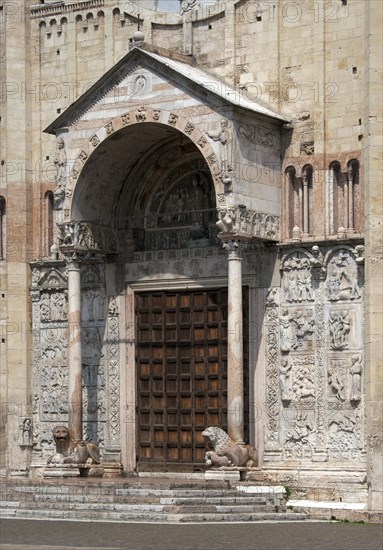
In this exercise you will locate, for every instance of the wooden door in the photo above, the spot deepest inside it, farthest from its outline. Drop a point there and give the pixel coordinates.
(181, 375)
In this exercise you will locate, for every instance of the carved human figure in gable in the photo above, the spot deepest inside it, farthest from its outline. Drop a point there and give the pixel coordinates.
(224, 136)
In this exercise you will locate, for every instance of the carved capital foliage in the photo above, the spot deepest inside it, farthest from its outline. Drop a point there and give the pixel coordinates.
(243, 224)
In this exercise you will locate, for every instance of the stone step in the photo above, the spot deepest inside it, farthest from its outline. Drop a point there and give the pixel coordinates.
(152, 516)
(191, 497)
(237, 499)
(138, 506)
(167, 496)
(219, 508)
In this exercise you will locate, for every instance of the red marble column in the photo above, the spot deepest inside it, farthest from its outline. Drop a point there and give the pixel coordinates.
(235, 344)
(75, 356)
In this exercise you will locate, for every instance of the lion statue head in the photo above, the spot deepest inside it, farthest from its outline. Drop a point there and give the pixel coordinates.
(62, 439)
(227, 453)
(217, 436)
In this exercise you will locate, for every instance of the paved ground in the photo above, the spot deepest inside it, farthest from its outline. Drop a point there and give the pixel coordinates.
(18, 534)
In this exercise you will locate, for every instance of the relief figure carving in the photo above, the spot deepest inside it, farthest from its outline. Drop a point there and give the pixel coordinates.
(336, 383)
(285, 382)
(356, 377)
(342, 282)
(339, 327)
(60, 160)
(303, 383)
(300, 433)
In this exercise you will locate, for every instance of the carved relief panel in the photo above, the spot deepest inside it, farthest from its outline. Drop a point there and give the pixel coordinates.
(100, 357)
(314, 373)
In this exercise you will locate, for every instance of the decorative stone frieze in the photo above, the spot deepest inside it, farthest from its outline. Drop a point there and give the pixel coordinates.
(88, 236)
(242, 223)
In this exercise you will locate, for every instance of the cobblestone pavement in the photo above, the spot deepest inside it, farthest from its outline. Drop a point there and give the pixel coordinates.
(19, 534)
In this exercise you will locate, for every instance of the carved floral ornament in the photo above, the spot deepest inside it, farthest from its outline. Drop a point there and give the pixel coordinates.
(139, 115)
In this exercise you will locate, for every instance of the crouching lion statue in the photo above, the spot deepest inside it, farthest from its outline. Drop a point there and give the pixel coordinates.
(226, 453)
(83, 453)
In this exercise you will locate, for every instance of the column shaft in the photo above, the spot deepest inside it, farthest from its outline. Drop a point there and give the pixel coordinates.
(235, 345)
(75, 357)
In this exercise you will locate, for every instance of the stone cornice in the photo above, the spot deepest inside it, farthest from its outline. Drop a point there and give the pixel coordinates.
(60, 8)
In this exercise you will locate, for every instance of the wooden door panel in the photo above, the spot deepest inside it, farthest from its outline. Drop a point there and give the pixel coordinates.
(181, 375)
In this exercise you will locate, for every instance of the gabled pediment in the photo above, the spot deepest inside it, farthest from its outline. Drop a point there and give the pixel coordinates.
(125, 84)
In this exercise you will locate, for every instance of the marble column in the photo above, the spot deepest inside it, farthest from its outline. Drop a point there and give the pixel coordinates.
(75, 357)
(235, 343)
(305, 179)
(350, 197)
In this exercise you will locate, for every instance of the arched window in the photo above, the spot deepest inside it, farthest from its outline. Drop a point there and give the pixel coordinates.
(48, 222)
(2, 227)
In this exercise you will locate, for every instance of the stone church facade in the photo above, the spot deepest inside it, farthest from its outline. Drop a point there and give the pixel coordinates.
(191, 236)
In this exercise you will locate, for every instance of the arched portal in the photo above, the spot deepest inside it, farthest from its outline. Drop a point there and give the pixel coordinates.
(144, 205)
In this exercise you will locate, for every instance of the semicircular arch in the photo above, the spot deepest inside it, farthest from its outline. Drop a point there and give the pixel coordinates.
(95, 166)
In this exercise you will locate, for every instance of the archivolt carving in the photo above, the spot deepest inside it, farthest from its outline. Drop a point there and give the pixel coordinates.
(138, 115)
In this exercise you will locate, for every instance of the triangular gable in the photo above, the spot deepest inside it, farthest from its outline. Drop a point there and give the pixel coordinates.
(180, 73)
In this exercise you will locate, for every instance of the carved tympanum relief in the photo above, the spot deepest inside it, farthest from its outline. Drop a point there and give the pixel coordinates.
(315, 372)
(179, 214)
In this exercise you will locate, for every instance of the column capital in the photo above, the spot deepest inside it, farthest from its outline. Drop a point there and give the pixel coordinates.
(233, 247)
(72, 261)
